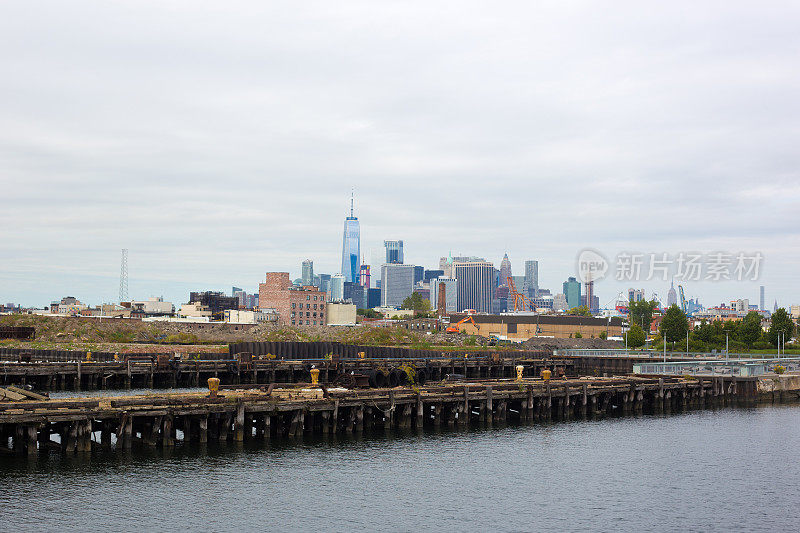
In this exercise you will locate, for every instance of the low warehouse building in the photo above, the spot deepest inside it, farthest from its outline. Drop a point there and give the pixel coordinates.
(523, 327)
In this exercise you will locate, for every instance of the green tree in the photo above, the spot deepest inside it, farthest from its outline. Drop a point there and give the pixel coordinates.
(704, 332)
(641, 313)
(749, 330)
(417, 303)
(369, 313)
(780, 322)
(674, 324)
(603, 335)
(635, 336)
(578, 335)
(581, 310)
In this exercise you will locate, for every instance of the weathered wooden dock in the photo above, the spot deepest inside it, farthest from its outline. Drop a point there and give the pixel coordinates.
(85, 424)
(282, 362)
(167, 372)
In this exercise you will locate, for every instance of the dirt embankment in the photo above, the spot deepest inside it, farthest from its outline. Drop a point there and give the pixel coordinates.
(136, 335)
(63, 330)
(540, 343)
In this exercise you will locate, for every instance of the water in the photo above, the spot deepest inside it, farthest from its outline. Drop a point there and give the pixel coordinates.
(724, 470)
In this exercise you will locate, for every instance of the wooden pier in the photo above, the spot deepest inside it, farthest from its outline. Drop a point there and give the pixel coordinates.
(282, 362)
(81, 425)
(168, 372)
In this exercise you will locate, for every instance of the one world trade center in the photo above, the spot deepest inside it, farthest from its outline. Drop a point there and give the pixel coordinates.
(351, 247)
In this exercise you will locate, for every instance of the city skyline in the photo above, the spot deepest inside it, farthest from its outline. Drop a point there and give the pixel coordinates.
(351, 248)
(607, 298)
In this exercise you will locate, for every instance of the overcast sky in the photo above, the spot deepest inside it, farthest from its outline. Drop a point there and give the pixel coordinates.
(220, 140)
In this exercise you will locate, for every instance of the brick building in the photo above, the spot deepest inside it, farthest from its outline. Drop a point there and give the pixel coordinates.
(295, 306)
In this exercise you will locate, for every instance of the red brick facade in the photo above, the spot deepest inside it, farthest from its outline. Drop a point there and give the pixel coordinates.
(296, 307)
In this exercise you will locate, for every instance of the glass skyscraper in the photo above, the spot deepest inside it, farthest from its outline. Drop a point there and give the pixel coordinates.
(531, 285)
(351, 247)
(394, 251)
(308, 272)
(474, 285)
(572, 290)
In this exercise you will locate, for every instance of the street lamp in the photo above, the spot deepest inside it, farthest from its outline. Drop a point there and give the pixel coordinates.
(726, 346)
(665, 348)
(625, 334)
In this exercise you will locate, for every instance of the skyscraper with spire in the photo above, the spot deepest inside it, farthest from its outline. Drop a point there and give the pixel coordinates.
(351, 246)
(672, 296)
(505, 270)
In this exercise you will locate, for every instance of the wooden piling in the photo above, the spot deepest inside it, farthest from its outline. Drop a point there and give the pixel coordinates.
(489, 406)
(223, 425)
(238, 428)
(202, 429)
(326, 422)
(584, 400)
(529, 404)
(360, 418)
(167, 439)
(152, 431)
(32, 439)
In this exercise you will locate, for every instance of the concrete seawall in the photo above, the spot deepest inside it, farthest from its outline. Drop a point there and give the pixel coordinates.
(774, 388)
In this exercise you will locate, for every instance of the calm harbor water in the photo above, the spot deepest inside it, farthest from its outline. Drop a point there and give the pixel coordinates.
(734, 469)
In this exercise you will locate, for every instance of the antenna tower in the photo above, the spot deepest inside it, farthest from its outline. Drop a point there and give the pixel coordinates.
(123, 277)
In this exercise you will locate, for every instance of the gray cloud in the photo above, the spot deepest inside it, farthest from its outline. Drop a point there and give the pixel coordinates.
(220, 141)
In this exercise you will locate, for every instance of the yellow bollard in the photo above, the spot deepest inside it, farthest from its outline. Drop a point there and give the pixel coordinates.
(546, 375)
(314, 377)
(213, 387)
(88, 356)
(520, 369)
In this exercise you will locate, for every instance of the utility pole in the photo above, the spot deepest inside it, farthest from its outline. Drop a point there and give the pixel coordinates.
(726, 346)
(687, 342)
(665, 348)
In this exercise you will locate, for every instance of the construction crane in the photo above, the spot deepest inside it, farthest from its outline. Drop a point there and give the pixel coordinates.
(454, 327)
(521, 302)
(684, 306)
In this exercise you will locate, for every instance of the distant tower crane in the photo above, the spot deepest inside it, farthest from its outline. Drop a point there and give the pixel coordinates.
(684, 306)
(521, 302)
